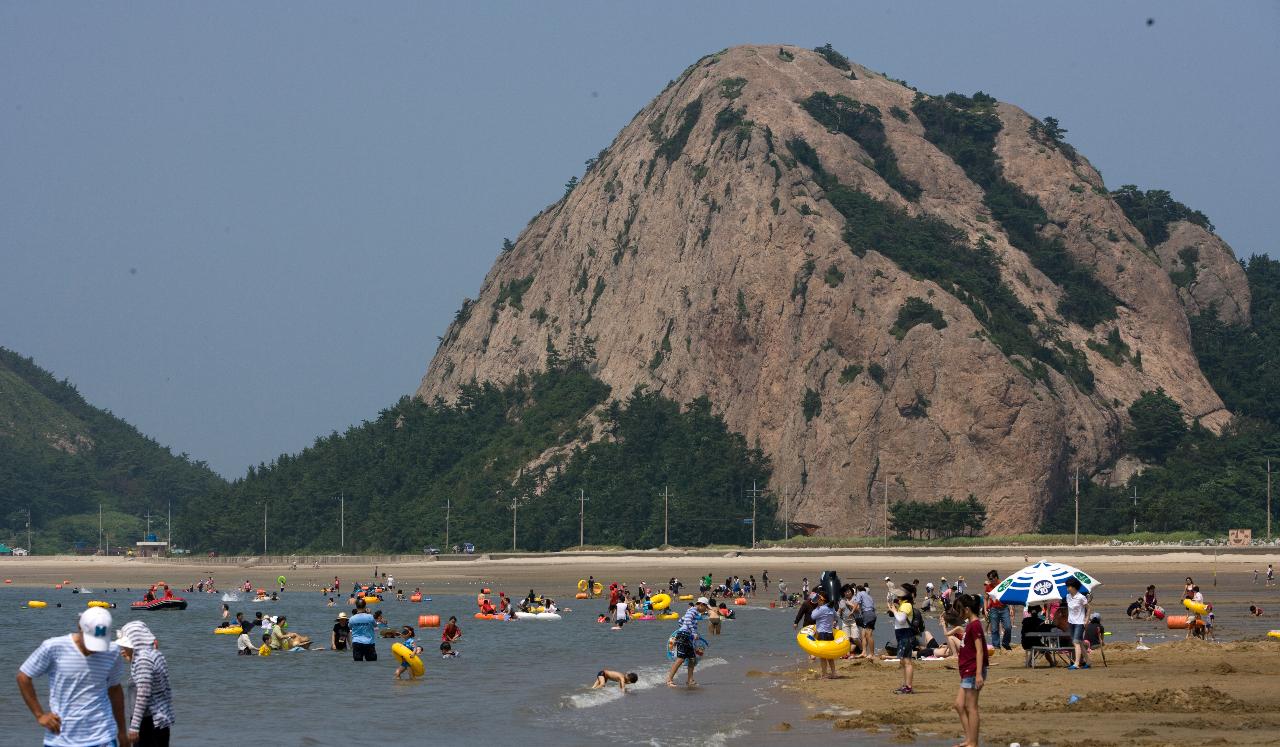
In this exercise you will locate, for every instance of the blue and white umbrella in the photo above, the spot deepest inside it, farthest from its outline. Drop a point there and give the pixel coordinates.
(1041, 582)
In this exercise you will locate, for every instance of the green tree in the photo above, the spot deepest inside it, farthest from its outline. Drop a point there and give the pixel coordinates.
(1158, 426)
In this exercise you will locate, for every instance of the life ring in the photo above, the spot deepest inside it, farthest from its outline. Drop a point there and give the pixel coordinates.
(415, 597)
(1274, 633)
(669, 616)
(1199, 608)
(36, 604)
(582, 584)
(405, 656)
(581, 595)
(280, 579)
(833, 649)
(99, 603)
(686, 597)
(371, 600)
(537, 609)
(660, 602)
(740, 601)
(233, 630)
(599, 587)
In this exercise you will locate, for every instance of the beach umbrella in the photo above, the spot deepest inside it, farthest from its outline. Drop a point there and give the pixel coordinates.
(1041, 582)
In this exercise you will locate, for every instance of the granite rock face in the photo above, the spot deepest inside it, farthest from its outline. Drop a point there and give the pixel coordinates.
(697, 257)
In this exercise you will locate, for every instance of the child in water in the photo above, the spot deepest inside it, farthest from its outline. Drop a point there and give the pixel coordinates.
(411, 643)
(605, 676)
(265, 648)
(446, 651)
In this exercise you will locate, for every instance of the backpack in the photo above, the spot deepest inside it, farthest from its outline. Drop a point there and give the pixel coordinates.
(917, 621)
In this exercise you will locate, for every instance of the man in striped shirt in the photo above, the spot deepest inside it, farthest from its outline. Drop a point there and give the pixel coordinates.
(685, 641)
(152, 699)
(86, 700)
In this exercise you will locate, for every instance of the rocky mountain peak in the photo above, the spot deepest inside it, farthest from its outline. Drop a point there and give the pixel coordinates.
(890, 292)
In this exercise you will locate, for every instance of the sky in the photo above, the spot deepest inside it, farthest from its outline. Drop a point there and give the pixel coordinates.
(241, 226)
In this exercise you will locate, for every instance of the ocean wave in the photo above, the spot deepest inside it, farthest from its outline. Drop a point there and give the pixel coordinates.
(647, 679)
(230, 597)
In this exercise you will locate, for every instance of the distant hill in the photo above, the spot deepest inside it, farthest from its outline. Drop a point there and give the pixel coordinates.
(61, 457)
(892, 293)
(423, 471)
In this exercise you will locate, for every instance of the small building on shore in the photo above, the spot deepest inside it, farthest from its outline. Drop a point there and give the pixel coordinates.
(152, 549)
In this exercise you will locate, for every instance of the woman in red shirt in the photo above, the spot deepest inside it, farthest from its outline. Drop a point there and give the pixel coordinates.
(973, 668)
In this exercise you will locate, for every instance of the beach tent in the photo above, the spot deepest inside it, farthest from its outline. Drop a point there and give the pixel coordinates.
(1041, 582)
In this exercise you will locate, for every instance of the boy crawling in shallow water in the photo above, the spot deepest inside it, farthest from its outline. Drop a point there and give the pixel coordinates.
(605, 676)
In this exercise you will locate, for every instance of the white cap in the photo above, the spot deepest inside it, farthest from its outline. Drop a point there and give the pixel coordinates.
(703, 600)
(95, 625)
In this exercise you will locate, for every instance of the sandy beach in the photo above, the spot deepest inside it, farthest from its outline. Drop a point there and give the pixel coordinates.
(1178, 691)
(1182, 692)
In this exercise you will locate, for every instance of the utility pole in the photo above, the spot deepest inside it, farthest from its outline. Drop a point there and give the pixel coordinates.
(168, 525)
(515, 506)
(148, 526)
(666, 500)
(31, 550)
(1135, 508)
(448, 508)
(342, 520)
(755, 495)
(1268, 500)
(582, 509)
(1077, 490)
(786, 512)
(99, 527)
(264, 530)
(886, 513)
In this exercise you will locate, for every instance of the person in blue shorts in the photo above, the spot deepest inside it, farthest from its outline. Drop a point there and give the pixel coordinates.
(686, 641)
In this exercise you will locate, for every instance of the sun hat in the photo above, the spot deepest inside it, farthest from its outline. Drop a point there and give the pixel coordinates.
(95, 625)
(342, 616)
(135, 635)
(703, 600)
(886, 578)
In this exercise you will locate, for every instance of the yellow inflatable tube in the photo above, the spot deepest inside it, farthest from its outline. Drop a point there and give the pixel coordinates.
(660, 601)
(582, 584)
(371, 600)
(1197, 607)
(834, 649)
(668, 616)
(599, 587)
(405, 656)
(686, 597)
(1274, 633)
(233, 630)
(100, 603)
(36, 604)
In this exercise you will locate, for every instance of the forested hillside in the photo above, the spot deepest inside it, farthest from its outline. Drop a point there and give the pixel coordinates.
(399, 473)
(61, 458)
(1200, 481)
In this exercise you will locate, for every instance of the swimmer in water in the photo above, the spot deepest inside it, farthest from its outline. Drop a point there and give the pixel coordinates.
(447, 652)
(605, 676)
(411, 643)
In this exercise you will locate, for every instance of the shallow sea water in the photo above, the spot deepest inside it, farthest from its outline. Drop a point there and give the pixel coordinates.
(525, 681)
